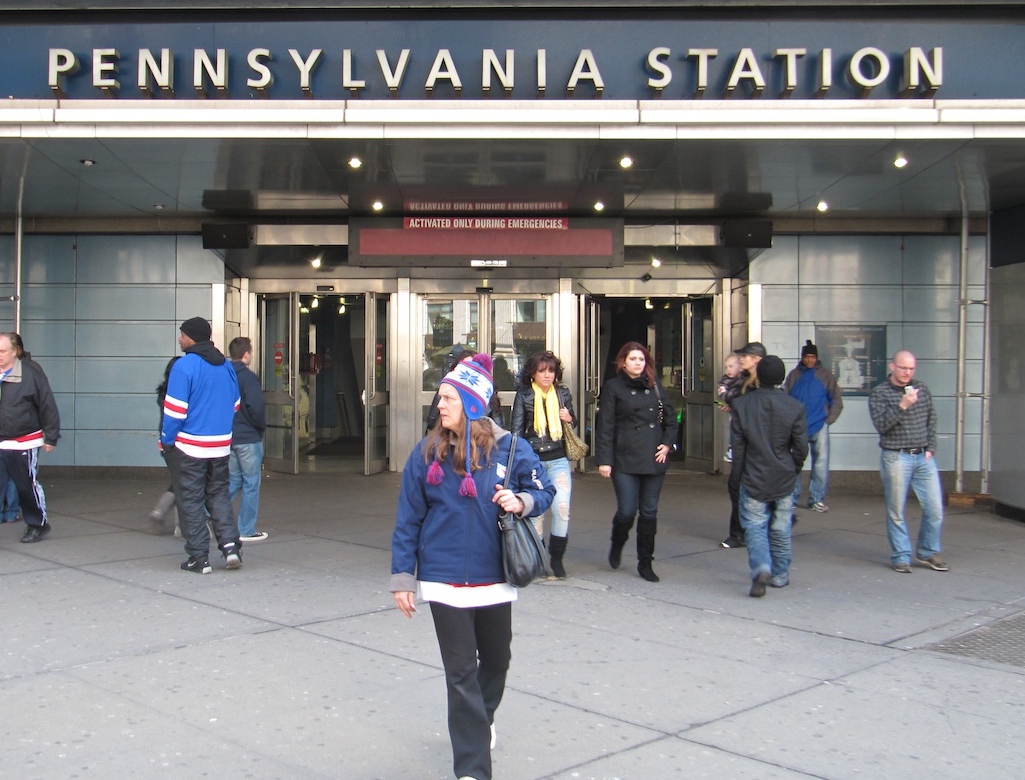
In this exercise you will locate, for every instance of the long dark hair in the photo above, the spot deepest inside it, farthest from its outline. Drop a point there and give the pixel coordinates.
(440, 440)
(649, 361)
(538, 361)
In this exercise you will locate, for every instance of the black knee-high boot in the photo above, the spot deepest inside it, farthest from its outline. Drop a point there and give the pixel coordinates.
(646, 527)
(620, 533)
(556, 549)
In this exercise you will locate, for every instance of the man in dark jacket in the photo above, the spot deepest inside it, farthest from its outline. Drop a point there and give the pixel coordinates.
(28, 420)
(246, 460)
(814, 385)
(770, 443)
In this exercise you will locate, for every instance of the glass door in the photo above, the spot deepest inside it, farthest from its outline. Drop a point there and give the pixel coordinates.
(590, 359)
(376, 395)
(279, 364)
(700, 375)
(512, 329)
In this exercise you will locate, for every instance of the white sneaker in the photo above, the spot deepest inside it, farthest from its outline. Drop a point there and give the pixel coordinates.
(494, 737)
(258, 536)
(818, 506)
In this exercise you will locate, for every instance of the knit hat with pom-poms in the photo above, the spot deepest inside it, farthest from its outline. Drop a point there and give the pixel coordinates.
(472, 379)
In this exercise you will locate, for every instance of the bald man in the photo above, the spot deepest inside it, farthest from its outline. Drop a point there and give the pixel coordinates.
(902, 412)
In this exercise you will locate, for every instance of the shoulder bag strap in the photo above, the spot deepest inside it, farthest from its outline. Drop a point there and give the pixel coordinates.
(512, 454)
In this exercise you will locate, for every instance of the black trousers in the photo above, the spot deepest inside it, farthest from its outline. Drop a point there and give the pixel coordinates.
(201, 487)
(19, 466)
(475, 650)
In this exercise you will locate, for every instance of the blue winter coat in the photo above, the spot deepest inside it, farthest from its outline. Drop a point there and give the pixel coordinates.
(441, 536)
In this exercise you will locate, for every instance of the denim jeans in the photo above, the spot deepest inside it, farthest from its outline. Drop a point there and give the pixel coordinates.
(818, 451)
(559, 472)
(636, 492)
(244, 465)
(767, 533)
(900, 470)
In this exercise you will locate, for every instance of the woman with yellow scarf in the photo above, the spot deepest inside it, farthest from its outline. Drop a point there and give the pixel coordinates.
(541, 410)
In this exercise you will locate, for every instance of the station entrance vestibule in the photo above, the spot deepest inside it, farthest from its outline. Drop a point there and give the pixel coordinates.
(348, 377)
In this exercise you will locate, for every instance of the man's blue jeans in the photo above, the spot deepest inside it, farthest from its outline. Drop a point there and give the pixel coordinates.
(818, 451)
(244, 468)
(899, 471)
(767, 533)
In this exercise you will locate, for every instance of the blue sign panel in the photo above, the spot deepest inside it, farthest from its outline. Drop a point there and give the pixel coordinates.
(674, 59)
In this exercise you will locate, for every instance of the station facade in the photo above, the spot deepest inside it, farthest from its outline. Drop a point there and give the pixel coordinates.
(365, 191)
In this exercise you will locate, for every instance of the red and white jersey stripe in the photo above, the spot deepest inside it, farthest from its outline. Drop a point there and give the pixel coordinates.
(203, 446)
(27, 442)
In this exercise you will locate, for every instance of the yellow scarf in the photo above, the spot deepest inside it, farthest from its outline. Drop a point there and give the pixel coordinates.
(547, 403)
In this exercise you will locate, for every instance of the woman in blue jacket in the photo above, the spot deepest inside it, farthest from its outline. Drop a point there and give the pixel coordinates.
(446, 549)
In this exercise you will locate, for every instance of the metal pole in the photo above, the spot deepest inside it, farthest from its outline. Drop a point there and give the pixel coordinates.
(962, 337)
(984, 436)
(19, 229)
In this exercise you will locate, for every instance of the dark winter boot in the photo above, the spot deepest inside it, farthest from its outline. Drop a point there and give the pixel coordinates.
(556, 548)
(620, 533)
(646, 547)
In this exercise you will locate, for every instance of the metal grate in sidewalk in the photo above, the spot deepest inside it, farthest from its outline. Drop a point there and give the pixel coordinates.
(1002, 641)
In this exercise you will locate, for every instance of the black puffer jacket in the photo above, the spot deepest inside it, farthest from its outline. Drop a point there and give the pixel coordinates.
(522, 422)
(27, 404)
(769, 434)
(628, 430)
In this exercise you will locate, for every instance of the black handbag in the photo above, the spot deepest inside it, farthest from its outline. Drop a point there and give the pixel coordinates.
(524, 557)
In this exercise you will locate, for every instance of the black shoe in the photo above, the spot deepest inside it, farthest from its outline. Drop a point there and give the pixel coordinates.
(758, 584)
(197, 565)
(558, 570)
(232, 556)
(645, 570)
(731, 543)
(34, 533)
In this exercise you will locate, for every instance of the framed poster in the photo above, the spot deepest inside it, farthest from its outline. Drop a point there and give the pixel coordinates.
(856, 354)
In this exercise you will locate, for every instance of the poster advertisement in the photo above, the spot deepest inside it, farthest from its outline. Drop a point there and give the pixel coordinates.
(856, 354)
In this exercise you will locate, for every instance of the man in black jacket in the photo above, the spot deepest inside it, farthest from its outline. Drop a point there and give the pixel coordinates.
(28, 420)
(770, 443)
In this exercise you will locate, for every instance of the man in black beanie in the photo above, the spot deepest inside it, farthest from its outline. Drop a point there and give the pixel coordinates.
(770, 443)
(195, 438)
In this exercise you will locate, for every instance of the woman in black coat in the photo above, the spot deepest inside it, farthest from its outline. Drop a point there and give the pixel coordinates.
(636, 431)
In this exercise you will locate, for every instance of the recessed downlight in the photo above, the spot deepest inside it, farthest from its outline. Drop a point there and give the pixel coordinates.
(377, 205)
(355, 162)
(599, 206)
(900, 161)
(822, 206)
(626, 162)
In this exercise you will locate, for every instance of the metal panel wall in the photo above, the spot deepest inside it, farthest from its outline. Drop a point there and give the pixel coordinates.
(1008, 385)
(908, 284)
(100, 314)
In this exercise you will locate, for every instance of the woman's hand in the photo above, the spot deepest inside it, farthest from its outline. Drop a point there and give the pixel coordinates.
(605, 471)
(405, 600)
(661, 453)
(508, 501)
(564, 414)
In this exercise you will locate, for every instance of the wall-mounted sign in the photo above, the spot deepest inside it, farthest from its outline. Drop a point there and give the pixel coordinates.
(856, 354)
(569, 56)
(516, 241)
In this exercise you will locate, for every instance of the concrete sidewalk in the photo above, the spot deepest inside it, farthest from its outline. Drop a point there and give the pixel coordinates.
(116, 664)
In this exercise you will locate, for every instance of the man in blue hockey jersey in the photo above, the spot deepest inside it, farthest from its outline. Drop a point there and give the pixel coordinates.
(195, 438)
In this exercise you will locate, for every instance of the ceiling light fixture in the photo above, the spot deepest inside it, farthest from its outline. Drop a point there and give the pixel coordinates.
(599, 206)
(900, 161)
(158, 206)
(656, 263)
(315, 303)
(626, 162)
(822, 206)
(648, 304)
(341, 308)
(355, 162)
(378, 205)
(88, 163)
(315, 262)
